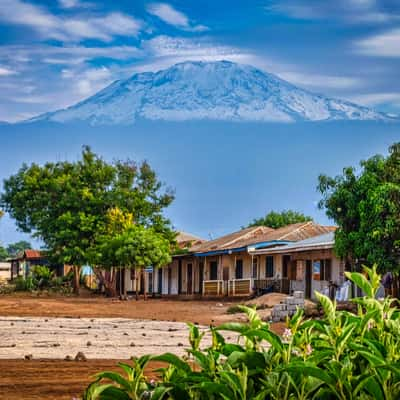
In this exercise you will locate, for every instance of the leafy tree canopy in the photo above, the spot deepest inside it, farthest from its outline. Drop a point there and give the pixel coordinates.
(14, 248)
(67, 204)
(3, 254)
(276, 219)
(365, 204)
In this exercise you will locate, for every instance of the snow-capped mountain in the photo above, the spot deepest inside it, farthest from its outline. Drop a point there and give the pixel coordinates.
(208, 90)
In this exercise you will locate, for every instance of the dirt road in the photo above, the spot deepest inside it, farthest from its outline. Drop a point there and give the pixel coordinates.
(50, 380)
(57, 379)
(203, 312)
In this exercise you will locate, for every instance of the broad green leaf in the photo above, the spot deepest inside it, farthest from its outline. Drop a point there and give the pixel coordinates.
(174, 360)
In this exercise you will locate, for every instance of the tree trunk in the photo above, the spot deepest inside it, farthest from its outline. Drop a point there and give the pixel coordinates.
(108, 280)
(76, 285)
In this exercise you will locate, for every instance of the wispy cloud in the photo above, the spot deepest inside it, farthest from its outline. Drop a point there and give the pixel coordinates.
(69, 4)
(68, 28)
(6, 71)
(350, 11)
(66, 55)
(374, 99)
(173, 17)
(318, 81)
(384, 44)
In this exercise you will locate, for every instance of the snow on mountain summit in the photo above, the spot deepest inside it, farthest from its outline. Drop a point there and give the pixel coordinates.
(219, 90)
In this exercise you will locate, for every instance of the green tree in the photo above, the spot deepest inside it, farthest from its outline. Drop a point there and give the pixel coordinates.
(125, 244)
(3, 251)
(3, 254)
(276, 219)
(365, 204)
(14, 248)
(66, 204)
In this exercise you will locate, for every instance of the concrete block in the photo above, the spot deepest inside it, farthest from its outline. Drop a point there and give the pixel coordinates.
(298, 294)
(280, 307)
(290, 300)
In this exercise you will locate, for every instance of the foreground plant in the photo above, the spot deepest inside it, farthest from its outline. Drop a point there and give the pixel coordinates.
(342, 356)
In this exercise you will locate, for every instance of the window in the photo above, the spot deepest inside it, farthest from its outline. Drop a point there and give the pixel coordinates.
(269, 266)
(317, 270)
(254, 272)
(239, 269)
(285, 264)
(326, 274)
(322, 270)
(213, 270)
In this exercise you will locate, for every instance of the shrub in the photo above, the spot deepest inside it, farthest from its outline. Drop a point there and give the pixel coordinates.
(341, 356)
(24, 284)
(43, 276)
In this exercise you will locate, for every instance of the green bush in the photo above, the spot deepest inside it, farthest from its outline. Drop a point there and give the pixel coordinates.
(24, 284)
(341, 356)
(43, 276)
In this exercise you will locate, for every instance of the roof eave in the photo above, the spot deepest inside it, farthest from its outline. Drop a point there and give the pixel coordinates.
(285, 250)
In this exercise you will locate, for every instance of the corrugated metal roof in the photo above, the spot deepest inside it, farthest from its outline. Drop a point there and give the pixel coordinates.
(326, 240)
(187, 237)
(261, 234)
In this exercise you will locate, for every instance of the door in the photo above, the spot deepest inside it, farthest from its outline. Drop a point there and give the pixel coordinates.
(239, 269)
(179, 276)
(285, 266)
(160, 282)
(308, 279)
(150, 282)
(225, 277)
(189, 279)
(213, 270)
(225, 274)
(201, 277)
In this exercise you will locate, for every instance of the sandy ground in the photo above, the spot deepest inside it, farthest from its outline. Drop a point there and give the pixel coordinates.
(110, 338)
(204, 312)
(54, 327)
(51, 379)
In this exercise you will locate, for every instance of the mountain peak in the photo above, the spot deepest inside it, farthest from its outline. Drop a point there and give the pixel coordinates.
(219, 90)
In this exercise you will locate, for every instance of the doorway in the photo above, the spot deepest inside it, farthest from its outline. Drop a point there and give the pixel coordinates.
(160, 282)
(213, 270)
(201, 277)
(308, 279)
(179, 276)
(285, 266)
(189, 279)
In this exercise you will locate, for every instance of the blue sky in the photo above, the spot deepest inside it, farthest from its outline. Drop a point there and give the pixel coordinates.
(223, 174)
(55, 53)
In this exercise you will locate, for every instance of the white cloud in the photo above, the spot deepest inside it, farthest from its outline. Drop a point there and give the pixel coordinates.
(68, 55)
(67, 28)
(385, 44)
(169, 15)
(85, 82)
(321, 81)
(374, 99)
(350, 11)
(173, 17)
(68, 4)
(6, 71)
